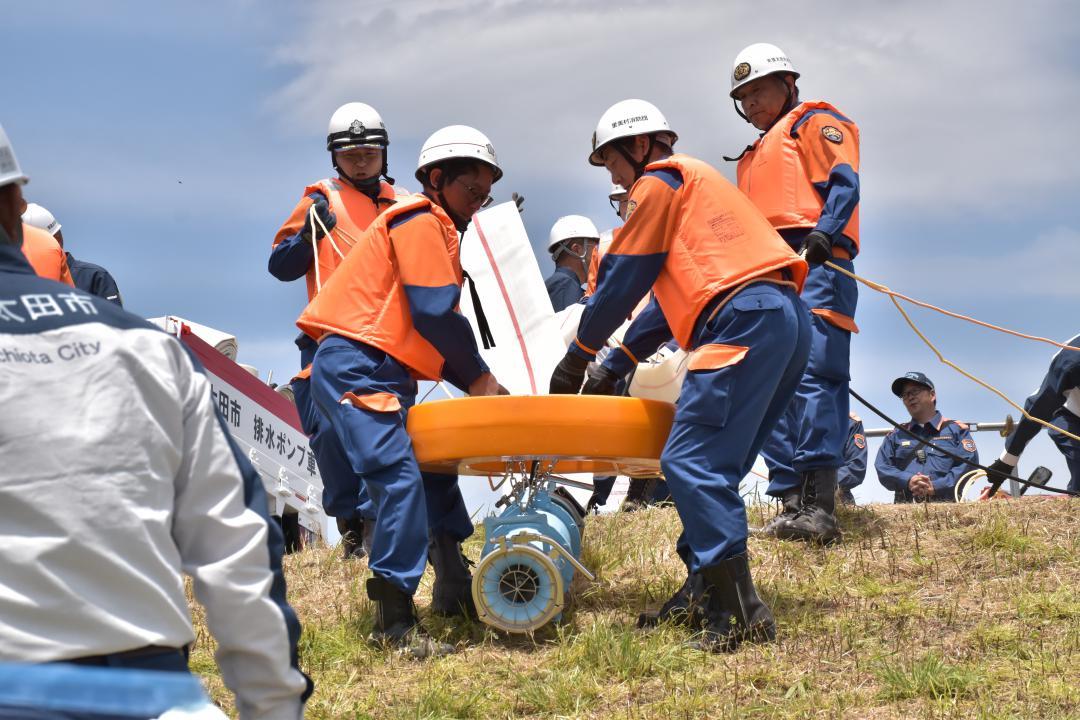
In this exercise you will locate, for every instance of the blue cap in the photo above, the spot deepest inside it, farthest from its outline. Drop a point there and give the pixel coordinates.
(915, 377)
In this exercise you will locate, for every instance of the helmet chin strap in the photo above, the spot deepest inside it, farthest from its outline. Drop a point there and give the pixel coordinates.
(638, 167)
(368, 186)
(460, 224)
(789, 104)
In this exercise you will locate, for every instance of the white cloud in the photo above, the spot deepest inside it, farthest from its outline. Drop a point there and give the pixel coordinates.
(1045, 268)
(962, 108)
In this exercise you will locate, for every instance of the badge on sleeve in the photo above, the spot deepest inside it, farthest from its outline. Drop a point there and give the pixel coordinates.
(860, 441)
(968, 444)
(832, 134)
(630, 208)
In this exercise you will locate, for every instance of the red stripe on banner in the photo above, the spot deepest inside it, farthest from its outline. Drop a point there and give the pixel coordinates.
(509, 306)
(256, 390)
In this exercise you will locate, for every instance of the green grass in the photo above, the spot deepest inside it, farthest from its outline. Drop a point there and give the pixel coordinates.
(967, 611)
(930, 677)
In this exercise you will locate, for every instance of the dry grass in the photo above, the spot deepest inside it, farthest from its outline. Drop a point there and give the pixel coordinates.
(969, 611)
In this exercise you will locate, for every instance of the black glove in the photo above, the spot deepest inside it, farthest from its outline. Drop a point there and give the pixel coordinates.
(322, 209)
(568, 375)
(519, 200)
(999, 469)
(602, 381)
(816, 248)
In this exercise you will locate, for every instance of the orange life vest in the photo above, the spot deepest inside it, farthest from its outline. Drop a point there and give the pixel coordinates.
(779, 175)
(45, 255)
(594, 261)
(717, 240)
(365, 300)
(354, 211)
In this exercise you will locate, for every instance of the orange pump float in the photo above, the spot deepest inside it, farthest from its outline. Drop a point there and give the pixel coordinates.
(532, 547)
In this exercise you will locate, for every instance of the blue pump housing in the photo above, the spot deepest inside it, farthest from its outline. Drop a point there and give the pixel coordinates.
(519, 585)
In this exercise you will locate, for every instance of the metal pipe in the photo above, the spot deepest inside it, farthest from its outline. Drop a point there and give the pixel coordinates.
(1003, 428)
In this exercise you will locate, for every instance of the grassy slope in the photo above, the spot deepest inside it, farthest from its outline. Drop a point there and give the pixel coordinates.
(968, 611)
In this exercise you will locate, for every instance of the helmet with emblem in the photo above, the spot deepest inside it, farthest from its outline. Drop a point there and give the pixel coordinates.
(355, 125)
(457, 141)
(756, 61)
(627, 118)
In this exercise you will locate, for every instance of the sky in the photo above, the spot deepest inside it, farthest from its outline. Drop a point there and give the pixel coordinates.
(172, 140)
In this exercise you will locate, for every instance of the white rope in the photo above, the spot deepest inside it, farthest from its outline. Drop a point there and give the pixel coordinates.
(965, 483)
(313, 219)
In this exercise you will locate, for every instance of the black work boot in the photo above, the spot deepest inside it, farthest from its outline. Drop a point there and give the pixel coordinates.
(396, 623)
(733, 612)
(791, 504)
(352, 534)
(637, 495)
(682, 608)
(845, 497)
(816, 521)
(367, 534)
(451, 594)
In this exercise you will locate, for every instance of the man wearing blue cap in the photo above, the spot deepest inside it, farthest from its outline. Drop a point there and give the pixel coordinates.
(916, 472)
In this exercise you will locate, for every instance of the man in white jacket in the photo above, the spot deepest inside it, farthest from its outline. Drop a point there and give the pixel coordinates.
(116, 477)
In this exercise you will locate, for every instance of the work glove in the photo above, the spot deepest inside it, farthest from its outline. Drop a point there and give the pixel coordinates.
(816, 248)
(568, 375)
(999, 469)
(602, 381)
(322, 209)
(519, 200)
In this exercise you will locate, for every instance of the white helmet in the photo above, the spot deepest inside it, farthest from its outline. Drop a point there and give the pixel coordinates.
(356, 124)
(10, 172)
(758, 60)
(39, 217)
(627, 118)
(457, 141)
(570, 227)
(618, 192)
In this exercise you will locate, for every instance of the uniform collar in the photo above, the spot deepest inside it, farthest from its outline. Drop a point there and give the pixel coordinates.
(567, 271)
(12, 260)
(933, 423)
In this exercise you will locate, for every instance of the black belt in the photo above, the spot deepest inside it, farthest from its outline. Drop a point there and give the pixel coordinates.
(136, 654)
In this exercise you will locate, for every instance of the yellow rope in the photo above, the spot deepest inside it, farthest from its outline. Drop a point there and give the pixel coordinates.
(894, 295)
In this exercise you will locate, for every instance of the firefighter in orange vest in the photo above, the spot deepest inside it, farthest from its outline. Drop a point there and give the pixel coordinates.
(85, 276)
(728, 288)
(803, 174)
(387, 318)
(45, 255)
(330, 217)
(42, 251)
